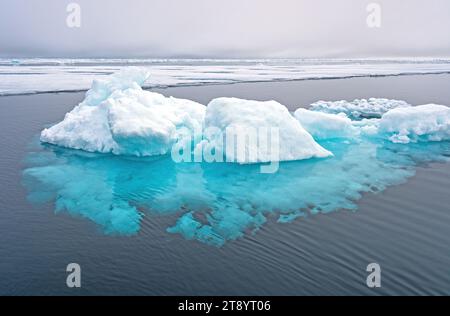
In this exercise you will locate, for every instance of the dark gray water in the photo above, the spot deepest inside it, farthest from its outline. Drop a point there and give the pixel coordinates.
(405, 228)
(420, 89)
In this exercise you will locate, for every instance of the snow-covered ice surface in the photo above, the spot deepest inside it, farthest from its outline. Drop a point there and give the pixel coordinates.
(292, 141)
(428, 122)
(399, 122)
(359, 108)
(218, 202)
(118, 117)
(324, 125)
(19, 76)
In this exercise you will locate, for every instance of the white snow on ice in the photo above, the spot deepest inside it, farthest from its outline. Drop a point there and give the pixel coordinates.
(292, 141)
(429, 122)
(399, 122)
(324, 125)
(119, 117)
(359, 108)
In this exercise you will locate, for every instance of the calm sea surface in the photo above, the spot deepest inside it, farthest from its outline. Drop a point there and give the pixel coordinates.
(405, 229)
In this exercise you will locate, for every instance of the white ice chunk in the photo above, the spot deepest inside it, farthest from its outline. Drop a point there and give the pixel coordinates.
(429, 122)
(117, 116)
(85, 127)
(359, 108)
(293, 141)
(127, 78)
(367, 127)
(326, 126)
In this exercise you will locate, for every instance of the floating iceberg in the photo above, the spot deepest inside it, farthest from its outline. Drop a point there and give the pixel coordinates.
(117, 116)
(216, 203)
(394, 120)
(359, 108)
(429, 122)
(256, 119)
(326, 126)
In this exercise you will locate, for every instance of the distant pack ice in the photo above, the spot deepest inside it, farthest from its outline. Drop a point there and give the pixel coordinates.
(36, 75)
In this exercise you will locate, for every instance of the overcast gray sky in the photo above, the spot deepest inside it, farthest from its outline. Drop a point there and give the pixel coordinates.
(227, 28)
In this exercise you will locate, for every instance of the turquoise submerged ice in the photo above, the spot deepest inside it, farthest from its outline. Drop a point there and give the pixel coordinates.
(219, 202)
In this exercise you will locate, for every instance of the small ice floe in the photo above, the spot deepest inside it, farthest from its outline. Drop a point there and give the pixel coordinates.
(428, 122)
(359, 108)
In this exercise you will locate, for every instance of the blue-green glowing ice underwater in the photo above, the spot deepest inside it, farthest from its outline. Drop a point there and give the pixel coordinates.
(109, 160)
(217, 202)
